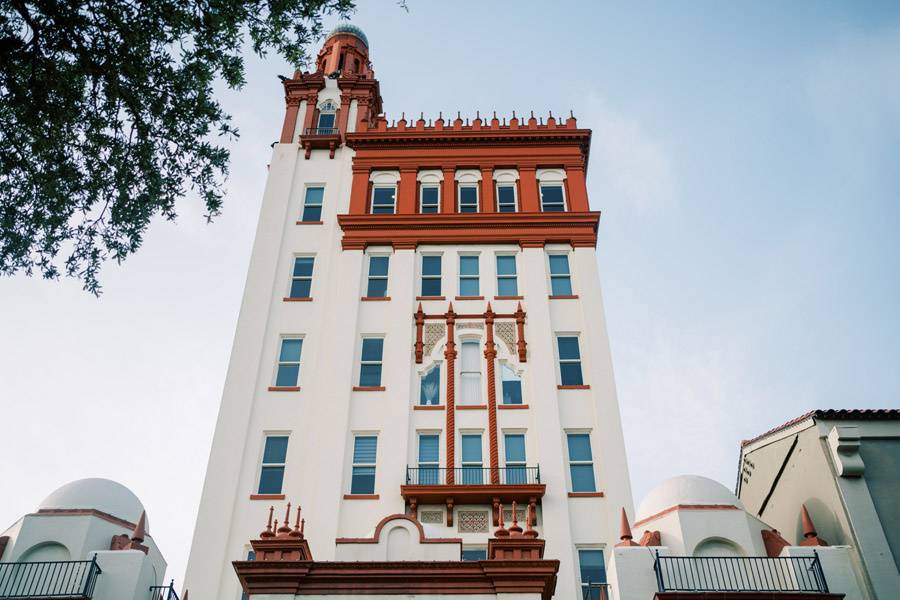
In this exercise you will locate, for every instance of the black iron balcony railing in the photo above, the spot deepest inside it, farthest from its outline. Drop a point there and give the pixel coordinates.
(321, 131)
(73, 579)
(163, 592)
(595, 591)
(474, 475)
(739, 574)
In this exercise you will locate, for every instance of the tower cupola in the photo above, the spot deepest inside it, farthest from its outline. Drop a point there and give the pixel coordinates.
(346, 50)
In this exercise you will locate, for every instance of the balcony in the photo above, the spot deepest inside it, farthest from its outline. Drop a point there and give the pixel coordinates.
(320, 138)
(472, 485)
(794, 575)
(72, 580)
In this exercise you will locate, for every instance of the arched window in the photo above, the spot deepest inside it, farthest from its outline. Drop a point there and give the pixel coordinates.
(470, 373)
(327, 117)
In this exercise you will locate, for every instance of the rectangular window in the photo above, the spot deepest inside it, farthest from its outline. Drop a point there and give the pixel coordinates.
(472, 466)
(431, 275)
(506, 197)
(378, 277)
(363, 479)
(468, 276)
(288, 372)
(516, 472)
(312, 204)
(569, 360)
(581, 462)
(552, 199)
(301, 277)
(429, 199)
(468, 198)
(326, 123)
(383, 198)
(271, 475)
(506, 276)
(474, 554)
(370, 362)
(593, 572)
(511, 384)
(430, 387)
(470, 373)
(429, 453)
(560, 276)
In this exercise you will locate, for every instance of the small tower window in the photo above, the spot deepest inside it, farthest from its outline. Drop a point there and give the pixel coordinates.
(327, 118)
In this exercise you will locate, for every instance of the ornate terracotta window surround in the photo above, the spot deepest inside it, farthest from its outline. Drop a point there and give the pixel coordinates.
(578, 229)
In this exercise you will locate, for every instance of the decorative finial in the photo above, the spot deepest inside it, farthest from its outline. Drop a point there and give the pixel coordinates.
(501, 530)
(286, 524)
(811, 537)
(296, 531)
(530, 517)
(268, 531)
(515, 529)
(625, 536)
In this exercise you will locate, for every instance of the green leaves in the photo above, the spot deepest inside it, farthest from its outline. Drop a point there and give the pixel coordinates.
(108, 118)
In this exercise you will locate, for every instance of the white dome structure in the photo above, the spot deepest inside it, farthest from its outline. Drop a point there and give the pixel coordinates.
(96, 493)
(686, 490)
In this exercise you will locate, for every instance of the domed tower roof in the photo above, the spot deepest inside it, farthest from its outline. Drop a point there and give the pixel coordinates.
(686, 490)
(352, 30)
(96, 493)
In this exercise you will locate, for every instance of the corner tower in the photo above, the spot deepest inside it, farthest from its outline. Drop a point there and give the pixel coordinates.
(422, 332)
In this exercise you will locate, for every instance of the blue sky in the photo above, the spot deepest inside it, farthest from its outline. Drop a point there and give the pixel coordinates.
(745, 158)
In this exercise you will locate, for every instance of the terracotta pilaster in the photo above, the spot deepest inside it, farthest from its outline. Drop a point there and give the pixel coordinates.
(529, 202)
(450, 356)
(490, 354)
(448, 191)
(487, 190)
(290, 120)
(406, 192)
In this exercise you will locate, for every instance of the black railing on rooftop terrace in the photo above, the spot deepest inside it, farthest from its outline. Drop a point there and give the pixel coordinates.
(321, 131)
(71, 579)
(473, 475)
(163, 592)
(739, 574)
(595, 591)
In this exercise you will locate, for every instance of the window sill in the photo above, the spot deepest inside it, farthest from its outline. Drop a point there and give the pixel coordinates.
(469, 298)
(267, 496)
(376, 298)
(471, 407)
(287, 299)
(587, 495)
(431, 298)
(573, 387)
(310, 222)
(511, 406)
(429, 407)
(569, 297)
(284, 388)
(368, 388)
(509, 297)
(361, 496)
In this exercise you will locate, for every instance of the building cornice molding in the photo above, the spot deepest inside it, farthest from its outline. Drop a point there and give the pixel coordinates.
(306, 578)
(578, 229)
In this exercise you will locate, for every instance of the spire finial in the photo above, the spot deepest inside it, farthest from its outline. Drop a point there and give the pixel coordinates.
(296, 531)
(268, 531)
(286, 524)
(530, 518)
(501, 530)
(809, 529)
(515, 529)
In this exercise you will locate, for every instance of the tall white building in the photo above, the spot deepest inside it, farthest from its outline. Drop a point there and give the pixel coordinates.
(422, 332)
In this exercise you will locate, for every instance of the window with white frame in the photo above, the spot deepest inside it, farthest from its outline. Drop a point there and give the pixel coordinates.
(362, 480)
(516, 468)
(312, 204)
(551, 184)
(468, 275)
(507, 284)
(301, 276)
(371, 361)
(569, 360)
(511, 385)
(271, 473)
(431, 275)
(581, 462)
(506, 197)
(560, 275)
(472, 462)
(429, 459)
(384, 199)
(593, 574)
(287, 373)
(429, 198)
(470, 372)
(430, 386)
(327, 118)
(378, 277)
(468, 197)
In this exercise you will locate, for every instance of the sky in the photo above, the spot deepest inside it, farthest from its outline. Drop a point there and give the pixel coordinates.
(746, 160)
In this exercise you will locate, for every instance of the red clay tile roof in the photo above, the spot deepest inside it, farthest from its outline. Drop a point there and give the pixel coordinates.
(833, 413)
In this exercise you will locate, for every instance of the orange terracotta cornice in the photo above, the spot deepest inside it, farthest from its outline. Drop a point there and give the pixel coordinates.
(686, 507)
(526, 229)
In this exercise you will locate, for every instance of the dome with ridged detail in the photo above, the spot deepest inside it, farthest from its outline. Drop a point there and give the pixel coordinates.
(352, 30)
